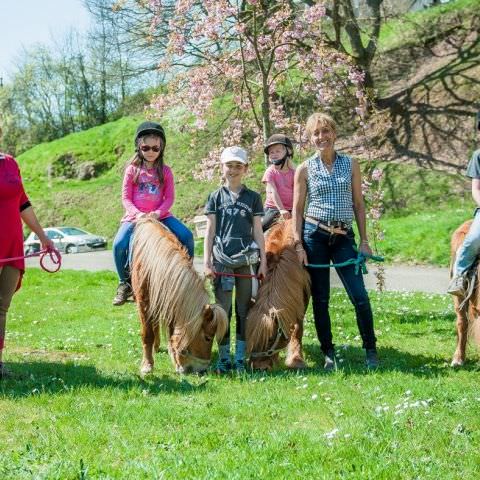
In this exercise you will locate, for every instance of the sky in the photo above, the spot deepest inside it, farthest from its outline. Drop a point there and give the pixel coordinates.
(23, 23)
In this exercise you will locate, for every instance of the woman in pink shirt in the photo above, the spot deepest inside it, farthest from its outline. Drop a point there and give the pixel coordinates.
(148, 190)
(279, 180)
(14, 207)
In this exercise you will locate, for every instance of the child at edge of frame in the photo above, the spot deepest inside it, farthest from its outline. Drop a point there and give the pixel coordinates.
(234, 253)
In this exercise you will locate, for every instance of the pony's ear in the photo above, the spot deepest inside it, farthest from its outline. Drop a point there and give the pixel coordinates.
(207, 313)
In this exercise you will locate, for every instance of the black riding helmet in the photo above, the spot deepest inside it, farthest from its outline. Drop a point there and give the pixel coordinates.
(147, 128)
(279, 138)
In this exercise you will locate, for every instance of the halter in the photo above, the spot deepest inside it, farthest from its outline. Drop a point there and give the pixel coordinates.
(202, 361)
(273, 349)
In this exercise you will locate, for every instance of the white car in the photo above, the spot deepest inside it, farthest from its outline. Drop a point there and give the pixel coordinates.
(67, 240)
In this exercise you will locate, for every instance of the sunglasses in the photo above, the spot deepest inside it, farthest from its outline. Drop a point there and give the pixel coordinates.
(147, 148)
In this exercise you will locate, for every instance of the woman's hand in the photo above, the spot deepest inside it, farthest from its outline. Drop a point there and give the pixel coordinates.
(285, 214)
(301, 254)
(208, 271)
(153, 215)
(365, 248)
(47, 244)
(262, 270)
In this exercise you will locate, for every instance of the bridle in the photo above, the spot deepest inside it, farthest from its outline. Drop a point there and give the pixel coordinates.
(273, 349)
(200, 361)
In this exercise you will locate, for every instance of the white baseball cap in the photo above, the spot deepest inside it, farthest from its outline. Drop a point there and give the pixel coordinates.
(234, 154)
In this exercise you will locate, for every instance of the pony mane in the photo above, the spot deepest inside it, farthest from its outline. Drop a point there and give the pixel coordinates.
(177, 293)
(282, 296)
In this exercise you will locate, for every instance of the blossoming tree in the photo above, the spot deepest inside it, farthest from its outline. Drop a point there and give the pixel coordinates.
(258, 51)
(259, 54)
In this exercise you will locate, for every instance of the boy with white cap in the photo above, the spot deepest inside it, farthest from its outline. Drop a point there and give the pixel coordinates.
(234, 246)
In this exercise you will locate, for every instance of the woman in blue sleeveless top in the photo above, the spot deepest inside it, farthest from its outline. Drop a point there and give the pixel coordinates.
(329, 184)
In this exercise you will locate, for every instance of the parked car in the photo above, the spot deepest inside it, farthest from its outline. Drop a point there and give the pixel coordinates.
(67, 240)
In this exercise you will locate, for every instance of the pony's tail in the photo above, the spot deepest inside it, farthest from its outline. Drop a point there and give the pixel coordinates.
(474, 330)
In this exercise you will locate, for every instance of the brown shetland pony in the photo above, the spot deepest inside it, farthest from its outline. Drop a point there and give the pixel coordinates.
(172, 295)
(468, 317)
(275, 321)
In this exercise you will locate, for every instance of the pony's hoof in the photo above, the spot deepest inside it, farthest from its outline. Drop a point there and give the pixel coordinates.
(295, 364)
(457, 362)
(146, 369)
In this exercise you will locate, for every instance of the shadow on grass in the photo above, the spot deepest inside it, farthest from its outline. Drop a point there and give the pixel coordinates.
(30, 378)
(390, 359)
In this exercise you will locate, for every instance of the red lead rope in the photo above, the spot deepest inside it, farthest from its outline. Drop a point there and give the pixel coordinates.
(54, 254)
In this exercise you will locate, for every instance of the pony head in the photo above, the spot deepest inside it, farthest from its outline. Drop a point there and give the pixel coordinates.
(194, 357)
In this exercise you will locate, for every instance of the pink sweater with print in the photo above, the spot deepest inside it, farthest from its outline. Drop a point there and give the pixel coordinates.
(147, 195)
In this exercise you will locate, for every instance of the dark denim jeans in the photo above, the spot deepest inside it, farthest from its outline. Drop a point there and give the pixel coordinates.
(321, 247)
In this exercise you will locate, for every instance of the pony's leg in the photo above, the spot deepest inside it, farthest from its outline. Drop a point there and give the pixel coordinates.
(156, 339)
(148, 338)
(294, 353)
(462, 333)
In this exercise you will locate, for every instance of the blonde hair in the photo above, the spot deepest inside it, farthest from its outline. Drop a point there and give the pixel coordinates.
(322, 119)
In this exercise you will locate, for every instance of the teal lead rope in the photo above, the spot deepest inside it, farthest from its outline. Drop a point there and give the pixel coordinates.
(359, 263)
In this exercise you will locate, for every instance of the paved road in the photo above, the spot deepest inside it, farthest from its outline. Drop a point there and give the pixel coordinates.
(398, 277)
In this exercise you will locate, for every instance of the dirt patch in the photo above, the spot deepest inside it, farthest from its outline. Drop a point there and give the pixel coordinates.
(68, 166)
(427, 115)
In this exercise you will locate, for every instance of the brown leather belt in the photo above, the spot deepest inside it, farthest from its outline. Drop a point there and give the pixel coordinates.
(334, 227)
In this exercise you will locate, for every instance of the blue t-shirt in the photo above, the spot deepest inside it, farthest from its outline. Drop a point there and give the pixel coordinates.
(473, 169)
(234, 217)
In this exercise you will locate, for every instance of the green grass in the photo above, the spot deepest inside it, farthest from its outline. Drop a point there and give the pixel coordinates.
(422, 237)
(79, 409)
(422, 210)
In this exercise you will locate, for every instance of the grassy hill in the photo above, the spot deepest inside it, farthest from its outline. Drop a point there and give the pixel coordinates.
(423, 139)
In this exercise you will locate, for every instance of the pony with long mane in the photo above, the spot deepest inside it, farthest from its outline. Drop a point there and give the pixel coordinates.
(172, 296)
(467, 310)
(275, 321)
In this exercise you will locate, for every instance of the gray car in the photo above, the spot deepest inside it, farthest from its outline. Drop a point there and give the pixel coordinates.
(67, 240)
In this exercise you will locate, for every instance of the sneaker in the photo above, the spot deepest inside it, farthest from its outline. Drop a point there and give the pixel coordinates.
(457, 286)
(223, 367)
(330, 363)
(240, 366)
(124, 290)
(371, 359)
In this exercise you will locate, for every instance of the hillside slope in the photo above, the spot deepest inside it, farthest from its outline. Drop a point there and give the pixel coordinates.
(431, 92)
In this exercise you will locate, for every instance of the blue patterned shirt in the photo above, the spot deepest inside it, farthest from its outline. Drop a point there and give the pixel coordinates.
(329, 194)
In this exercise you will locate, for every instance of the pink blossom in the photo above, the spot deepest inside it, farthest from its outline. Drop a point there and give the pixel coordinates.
(377, 174)
(315, 13)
